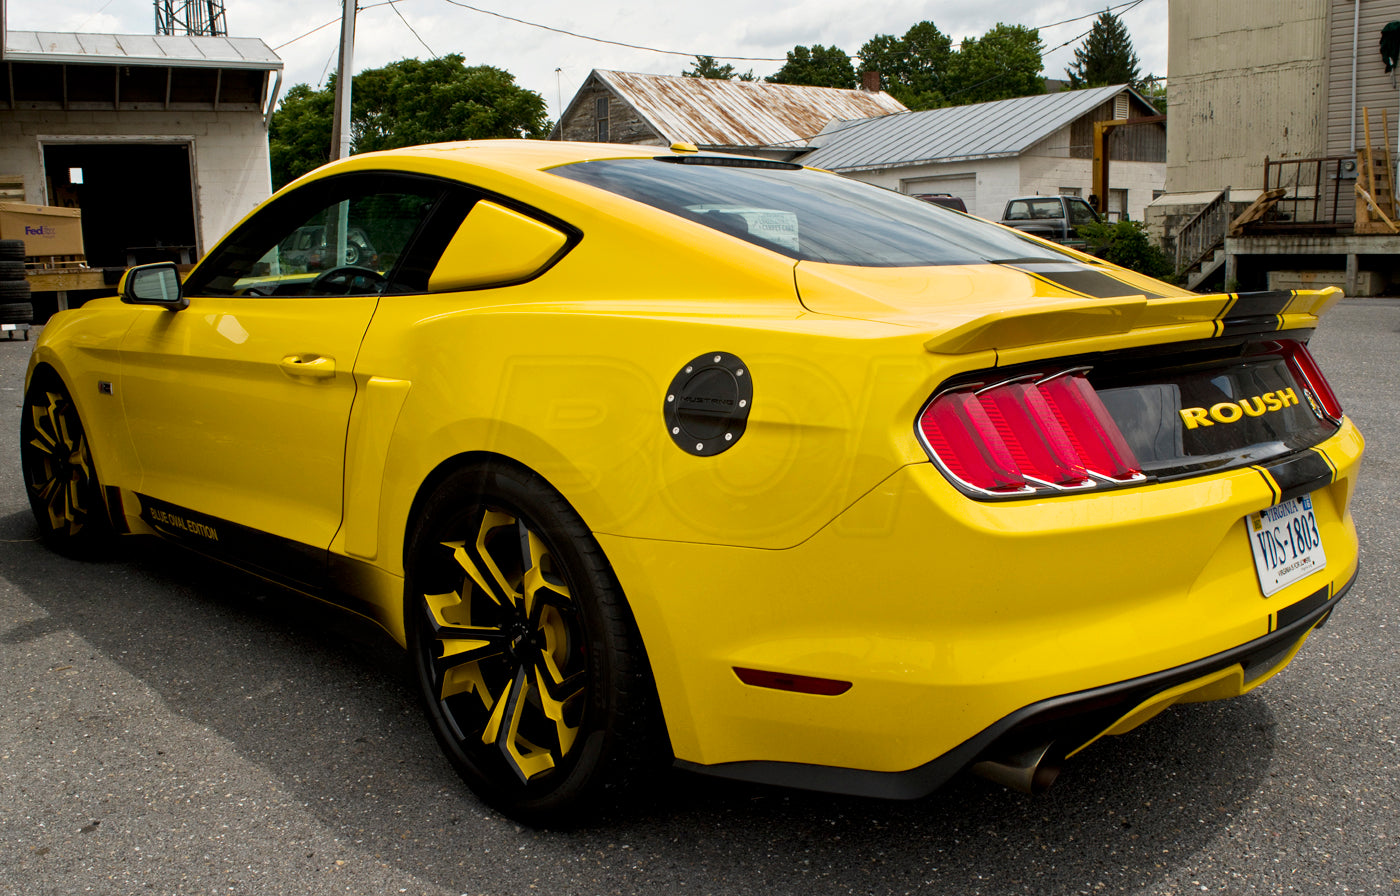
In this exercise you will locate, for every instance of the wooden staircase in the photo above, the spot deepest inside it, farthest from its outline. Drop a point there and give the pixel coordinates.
(1200, 244)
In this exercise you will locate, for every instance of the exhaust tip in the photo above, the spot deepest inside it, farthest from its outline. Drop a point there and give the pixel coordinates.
(1029, 771)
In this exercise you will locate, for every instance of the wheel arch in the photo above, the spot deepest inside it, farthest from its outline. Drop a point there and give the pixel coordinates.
(42, 373)
(450, 466)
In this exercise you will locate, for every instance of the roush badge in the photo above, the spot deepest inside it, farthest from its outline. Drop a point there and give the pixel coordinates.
(1233, 411)
(707, 404)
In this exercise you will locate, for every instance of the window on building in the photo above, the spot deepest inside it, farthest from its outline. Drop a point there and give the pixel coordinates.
(1117, 205)
(600, 113)
(1070, 191)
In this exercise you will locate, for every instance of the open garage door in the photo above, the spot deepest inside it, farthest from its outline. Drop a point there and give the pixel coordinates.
(137, 199)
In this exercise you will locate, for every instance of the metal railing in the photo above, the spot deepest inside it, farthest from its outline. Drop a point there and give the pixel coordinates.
(1319, 192)
(1203, 233)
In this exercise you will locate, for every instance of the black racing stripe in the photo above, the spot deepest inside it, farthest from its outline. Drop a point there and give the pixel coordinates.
(1300, 474)
(289, 562)
(1269, 481)
(1087, 281)
(1239, 326)
(1259, 304)
(1291, 614)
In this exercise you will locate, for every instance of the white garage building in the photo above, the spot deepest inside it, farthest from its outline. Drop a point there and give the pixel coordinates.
(161, 141)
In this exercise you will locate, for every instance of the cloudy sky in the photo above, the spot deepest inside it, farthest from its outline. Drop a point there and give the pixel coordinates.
(555, 64)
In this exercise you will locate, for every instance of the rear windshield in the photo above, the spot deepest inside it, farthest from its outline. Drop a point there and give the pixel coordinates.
(809, 215)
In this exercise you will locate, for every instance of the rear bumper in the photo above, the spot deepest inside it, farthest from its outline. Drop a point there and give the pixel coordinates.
(960, 625)
(1067, 722)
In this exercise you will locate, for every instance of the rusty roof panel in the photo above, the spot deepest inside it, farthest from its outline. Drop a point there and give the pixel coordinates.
(709, 112)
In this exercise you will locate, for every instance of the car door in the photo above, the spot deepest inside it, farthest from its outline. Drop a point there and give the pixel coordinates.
(237, 405)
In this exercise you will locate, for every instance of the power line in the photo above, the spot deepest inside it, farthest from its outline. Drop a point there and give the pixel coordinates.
(1125, 6)
(615, 43)
(394, 5)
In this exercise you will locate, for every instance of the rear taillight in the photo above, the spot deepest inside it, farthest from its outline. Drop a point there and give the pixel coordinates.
(1031, 435)
(1300, 360)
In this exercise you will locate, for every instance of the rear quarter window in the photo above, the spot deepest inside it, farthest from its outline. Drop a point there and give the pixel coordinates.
(806, 214)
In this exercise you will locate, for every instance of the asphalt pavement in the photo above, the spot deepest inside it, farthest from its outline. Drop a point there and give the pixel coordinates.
(169, 727)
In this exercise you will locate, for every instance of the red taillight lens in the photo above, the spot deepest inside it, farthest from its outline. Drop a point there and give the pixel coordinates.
(1304, 367)
(961, 434)
(1028, 436)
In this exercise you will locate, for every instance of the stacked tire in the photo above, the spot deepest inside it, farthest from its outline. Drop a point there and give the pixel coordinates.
(15, 307)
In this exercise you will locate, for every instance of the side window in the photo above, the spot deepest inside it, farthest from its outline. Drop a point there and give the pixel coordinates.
(344, 236)
(1080, 212)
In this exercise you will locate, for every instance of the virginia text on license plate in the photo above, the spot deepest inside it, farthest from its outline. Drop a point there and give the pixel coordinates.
(1287, 546)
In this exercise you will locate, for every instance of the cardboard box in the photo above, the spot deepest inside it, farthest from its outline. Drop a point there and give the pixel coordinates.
(45, 229)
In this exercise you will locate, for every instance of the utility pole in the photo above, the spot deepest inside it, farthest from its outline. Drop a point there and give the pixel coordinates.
(340, 119)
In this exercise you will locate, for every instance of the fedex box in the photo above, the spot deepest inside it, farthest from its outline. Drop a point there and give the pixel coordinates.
(45, 229)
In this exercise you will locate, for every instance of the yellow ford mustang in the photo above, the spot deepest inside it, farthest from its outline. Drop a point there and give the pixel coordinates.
(645, 451)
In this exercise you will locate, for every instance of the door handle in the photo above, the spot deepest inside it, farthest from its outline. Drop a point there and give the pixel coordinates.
(315, 366)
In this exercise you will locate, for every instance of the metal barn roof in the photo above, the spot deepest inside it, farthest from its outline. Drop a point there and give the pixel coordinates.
(178, 51)
(711, 112)
(1000, 129)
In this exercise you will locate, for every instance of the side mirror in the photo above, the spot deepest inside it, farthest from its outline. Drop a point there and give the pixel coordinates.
(153, 284)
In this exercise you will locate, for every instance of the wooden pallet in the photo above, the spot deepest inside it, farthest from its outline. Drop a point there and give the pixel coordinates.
(1375, 181)
(54, 262)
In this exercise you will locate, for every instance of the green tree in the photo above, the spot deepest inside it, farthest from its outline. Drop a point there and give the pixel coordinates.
(709, 67)
(1106, 57)
(816, 66)
(1001, 64)
(1126, 243)
(404, 103)
(913, 68)
(299, 137)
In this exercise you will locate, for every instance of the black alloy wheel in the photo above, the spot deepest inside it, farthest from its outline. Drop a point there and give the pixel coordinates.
(59, 475)
(530, 666)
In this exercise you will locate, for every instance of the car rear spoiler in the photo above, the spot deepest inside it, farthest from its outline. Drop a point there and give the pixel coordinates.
(1075, 319)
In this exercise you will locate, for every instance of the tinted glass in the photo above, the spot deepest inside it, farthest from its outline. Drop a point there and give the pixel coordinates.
(1080, 212)
(1212, 417)
(342, 236)
(1034, 210)
(808, 215)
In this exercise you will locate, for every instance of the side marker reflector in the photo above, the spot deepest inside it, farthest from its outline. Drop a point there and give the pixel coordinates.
(801, 684)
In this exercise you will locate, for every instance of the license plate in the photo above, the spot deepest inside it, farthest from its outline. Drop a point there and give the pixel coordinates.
(1287, 546)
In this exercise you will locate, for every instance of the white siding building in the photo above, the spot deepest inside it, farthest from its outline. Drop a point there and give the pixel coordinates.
(161, 141)
(988, 153)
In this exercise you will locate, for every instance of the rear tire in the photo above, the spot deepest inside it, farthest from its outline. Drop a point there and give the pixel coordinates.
(530, 667)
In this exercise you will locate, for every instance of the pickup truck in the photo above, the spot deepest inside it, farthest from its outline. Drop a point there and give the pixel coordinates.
(1050, 217)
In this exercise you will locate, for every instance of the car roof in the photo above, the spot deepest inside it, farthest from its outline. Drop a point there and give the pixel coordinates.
(523, 155)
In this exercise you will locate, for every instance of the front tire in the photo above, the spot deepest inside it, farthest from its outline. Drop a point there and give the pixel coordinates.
(529, 664)
(59, 475)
